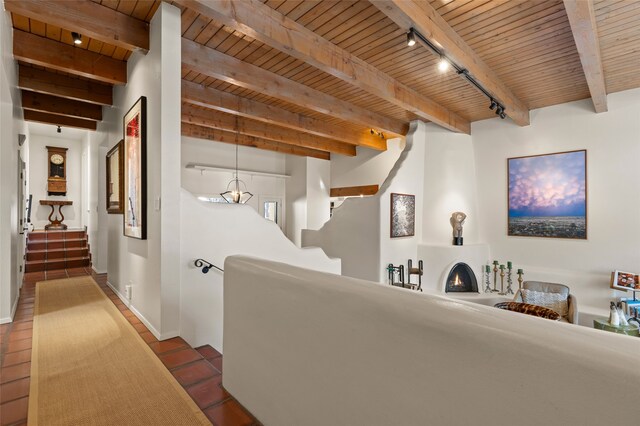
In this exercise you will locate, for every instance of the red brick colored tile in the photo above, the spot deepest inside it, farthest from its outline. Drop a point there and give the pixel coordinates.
(194, 372)
(14, 358)
(229, 413)
(140, 328)
(148, 337)
(208, 392)
(167, 345)
(19, 345)
(14, 390)
(217, 363)
(14, 411)
(15, 372)
(20, 334)
(27, 325)
(180, 357)
(208, 352)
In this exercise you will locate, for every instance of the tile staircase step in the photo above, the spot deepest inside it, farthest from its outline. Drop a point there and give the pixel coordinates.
(56, 244)
(51, 264)
(55, 235)
(57, 253)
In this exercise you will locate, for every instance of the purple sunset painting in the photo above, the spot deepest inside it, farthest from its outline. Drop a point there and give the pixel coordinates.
(548, 195)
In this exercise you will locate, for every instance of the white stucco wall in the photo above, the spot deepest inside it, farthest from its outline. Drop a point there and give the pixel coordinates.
(151, 266)
(612, 141)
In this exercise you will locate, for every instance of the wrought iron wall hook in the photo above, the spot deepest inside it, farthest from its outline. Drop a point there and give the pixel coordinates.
(206, 266)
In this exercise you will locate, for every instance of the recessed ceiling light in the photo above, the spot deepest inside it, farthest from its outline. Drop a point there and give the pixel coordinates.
(77, 38)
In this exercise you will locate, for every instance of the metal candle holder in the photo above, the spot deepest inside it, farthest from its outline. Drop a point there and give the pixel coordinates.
(495, 276)
(520, 280)
(502, 293)
(509, 280)
(487, 273)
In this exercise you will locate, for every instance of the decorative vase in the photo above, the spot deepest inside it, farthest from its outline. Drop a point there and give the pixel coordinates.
(614, 318)
(621, 314)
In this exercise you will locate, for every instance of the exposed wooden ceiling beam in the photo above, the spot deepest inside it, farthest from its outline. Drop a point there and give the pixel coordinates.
(200, 132)
(354, 191)
(59, 120)
(210, 62)
(226, 102)
(582, 19)
(60, 106)
(424, 18)
(87, 18)
(37, 50)
(222, 121)
(51, 83)
(259, 21)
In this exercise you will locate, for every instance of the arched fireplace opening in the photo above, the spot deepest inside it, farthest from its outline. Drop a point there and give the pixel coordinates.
(461, 279)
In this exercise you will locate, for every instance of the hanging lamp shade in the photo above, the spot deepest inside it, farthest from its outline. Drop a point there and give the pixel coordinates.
(234, 193)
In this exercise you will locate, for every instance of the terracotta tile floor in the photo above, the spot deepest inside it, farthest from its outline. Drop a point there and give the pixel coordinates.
(198, 370)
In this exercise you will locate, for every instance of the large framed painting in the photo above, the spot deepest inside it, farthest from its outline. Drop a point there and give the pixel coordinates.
(135, 170)
(403, 215)
(115, 179)
(547, 195)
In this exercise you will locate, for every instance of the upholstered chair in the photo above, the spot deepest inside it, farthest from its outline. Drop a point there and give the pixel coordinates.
(550, 300)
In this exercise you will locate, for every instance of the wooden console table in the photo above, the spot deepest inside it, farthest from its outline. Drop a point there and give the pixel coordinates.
(55, 224)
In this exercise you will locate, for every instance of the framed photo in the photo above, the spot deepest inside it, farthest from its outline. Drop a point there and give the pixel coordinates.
(115, 179)
(135, 170)
(547, 195)
(625, 281)
(403, 215)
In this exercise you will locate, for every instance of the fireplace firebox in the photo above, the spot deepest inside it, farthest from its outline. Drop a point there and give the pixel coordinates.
(461, 279)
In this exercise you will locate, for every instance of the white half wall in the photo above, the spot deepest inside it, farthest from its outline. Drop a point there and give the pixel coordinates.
(612, 141)
(213, 232)
(368, 167)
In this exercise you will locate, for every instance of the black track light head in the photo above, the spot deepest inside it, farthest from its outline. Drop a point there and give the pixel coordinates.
(503, 115)
(77, 38)
(59, 130)
(411, 37)
(498, 110)
(493, 105)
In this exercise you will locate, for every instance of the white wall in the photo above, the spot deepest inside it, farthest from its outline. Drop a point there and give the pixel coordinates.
(368, 167)
(11, 124)
(100, 248)
(213, 232)
(296, 198)
(151, 265)
(612, 141)
(38, 174)
(318, 188)
(212, 183)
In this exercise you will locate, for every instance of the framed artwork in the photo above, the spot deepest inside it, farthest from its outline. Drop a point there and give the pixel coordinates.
(625, 281)
(547, 195)
(403, 215)
(115, 179)
(135, 170)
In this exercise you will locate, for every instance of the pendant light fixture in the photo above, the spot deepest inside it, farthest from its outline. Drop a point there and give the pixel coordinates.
(234, 193)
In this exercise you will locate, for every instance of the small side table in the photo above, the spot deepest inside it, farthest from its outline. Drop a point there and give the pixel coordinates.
(55, 224)
(603, 324)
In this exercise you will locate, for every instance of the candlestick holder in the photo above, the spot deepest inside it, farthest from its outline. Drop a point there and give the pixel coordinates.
(487, 273)
(502, 293)
(509, 281)
(495, 277)
(520, 274)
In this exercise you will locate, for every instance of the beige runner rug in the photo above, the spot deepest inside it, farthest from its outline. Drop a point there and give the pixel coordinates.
(90, 367)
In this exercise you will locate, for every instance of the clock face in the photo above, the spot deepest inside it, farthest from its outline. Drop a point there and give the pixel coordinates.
(57, 159)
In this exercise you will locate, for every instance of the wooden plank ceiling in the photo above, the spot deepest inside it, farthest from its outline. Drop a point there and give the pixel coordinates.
(322, 77)
(66, 84)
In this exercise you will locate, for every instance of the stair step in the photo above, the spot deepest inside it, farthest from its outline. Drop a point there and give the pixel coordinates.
(56, 244)
(55, 235)
(57, 253)
(51, 264)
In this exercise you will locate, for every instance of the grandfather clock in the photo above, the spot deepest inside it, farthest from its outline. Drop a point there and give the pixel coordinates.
(57, 165)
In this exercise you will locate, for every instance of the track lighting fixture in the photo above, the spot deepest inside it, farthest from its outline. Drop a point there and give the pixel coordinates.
(77, 38)
(59, 130)
(411, 38)
(444, 63)
(377, 133)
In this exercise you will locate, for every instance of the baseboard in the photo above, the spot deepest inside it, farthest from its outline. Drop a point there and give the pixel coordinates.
(14, 308)
(98, 272)
(137, 313)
